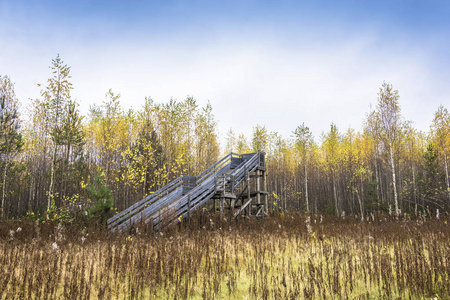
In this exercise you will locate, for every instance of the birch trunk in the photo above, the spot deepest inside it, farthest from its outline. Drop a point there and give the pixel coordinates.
(414, 187)
(52, 178)
(397, 212)
(306, 189)
(4, 187)
(446, 174)
(361, 201)
(4, 179)
(335, 195)
(361, 205)
(379, 188)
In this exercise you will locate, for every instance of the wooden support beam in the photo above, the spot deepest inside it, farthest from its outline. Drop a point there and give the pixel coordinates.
(260, 211)
(256, 176)
(221, 200)
(258, 187)
(232, 203)
(243, 207)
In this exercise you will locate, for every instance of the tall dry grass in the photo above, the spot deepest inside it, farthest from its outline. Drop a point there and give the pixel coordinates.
(280, 257)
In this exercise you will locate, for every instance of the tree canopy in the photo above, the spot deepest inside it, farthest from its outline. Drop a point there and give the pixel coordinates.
(56, 154)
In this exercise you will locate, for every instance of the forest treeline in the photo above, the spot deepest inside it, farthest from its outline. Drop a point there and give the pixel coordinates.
(51, 156)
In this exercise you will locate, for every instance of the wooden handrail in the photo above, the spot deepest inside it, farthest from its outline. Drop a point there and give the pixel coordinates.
(144, 201)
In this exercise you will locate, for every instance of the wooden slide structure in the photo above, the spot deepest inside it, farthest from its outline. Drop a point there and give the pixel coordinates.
(234, 182)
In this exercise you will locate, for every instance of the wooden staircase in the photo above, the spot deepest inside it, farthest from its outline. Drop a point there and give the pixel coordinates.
(228, 181)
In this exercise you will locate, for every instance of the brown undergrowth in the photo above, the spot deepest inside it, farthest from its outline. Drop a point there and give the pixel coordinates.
(289, 256)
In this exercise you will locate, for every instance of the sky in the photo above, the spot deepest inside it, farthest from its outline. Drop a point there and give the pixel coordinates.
(271, 63)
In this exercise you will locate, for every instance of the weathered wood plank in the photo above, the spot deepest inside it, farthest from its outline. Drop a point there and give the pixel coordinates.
(149, 200)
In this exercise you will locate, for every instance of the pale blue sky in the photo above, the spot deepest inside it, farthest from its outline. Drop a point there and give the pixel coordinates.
(274, 63)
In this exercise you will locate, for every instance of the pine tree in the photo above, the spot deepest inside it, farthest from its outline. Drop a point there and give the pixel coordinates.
(72, 134)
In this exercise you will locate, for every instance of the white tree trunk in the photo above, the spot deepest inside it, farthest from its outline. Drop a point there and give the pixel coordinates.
(414, 187)
(335, 195)
(379, 188)
(361, 204)
(397, 211)
(446, 174)
(361, 201)
(52, 178)
(4, 189)
(4, 178)
(306, 189)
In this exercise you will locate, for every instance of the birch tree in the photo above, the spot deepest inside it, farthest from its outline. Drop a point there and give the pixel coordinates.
(108, 133)
(440, 128)
(303, 141)
(389, 115)
(242, 144)
(331, 145)
(10, 136)
(372, 131)
(145, 156)
(230, 141)
(260, 138)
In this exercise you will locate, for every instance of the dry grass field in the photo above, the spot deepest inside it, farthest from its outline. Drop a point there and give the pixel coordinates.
(280, 257)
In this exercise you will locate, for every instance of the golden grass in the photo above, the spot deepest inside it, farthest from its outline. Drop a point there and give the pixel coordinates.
(283, 257)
